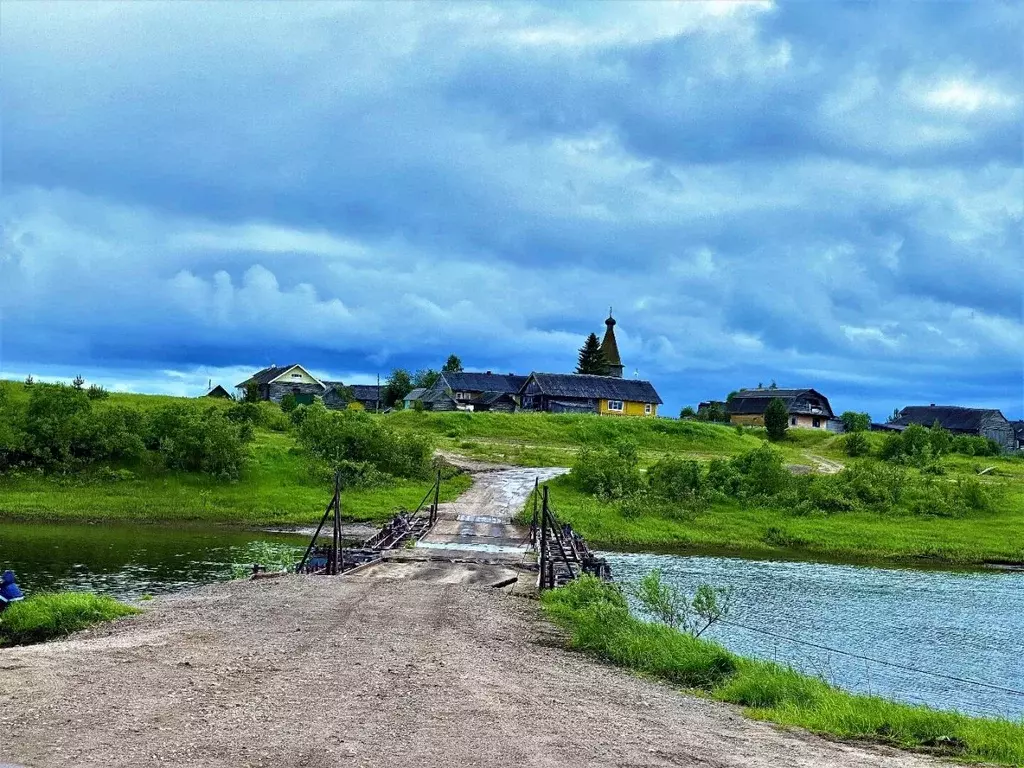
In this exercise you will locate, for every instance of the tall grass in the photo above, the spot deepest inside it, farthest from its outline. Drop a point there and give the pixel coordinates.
(50, 616)
(599, 622)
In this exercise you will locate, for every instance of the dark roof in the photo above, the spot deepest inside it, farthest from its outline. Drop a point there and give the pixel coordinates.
(598, 387)
(1018, 428)
(481, 382)
(415, 394)
(490, 398)
(752, 402)
(267, 375)
(436, 396)
(218, 391)
(366, 391)
(609, 346)
(952, 417)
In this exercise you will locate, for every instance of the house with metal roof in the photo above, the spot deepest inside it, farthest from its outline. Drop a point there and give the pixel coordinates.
(807, 408)
(584, 393)
(982, 422)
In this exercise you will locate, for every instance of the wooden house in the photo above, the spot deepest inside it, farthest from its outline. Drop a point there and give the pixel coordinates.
(219, 392)
(471, 391)
(982, 422)
(807, 408)
(584, 393)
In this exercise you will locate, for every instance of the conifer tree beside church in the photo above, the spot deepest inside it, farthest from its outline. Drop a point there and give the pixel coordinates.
(592, 359)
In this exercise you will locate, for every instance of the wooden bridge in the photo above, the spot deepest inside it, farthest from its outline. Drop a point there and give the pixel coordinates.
(475, 533)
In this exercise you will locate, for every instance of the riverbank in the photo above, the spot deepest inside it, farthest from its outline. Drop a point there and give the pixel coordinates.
(601, 624)
(434, 674)
(276, 488)
(984, 538)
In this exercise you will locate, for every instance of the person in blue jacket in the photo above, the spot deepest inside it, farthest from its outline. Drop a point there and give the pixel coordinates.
(10, 592)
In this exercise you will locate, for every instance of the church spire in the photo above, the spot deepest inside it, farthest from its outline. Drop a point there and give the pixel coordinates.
(611, 348)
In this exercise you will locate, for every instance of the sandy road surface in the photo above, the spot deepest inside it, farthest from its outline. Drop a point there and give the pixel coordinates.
(360, 672)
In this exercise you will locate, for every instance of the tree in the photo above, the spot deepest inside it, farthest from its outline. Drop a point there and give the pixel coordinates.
(78, 382)
(855, 422)
(289, 402)
(856, 444)
(452, 365)
(776, 419)
(252, 392)
(425, 378)
(592, 359)
(399, 384)
(688, 413)
(713, 411)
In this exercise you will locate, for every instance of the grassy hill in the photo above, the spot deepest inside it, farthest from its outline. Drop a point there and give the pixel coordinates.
(275, 487)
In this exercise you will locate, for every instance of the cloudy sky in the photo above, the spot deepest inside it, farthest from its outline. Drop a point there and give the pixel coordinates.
(822, 194)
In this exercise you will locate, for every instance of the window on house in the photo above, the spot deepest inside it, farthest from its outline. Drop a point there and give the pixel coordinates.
(296, 375)
(647, 409)
(817, 423)
(614, 405)
(792, 421)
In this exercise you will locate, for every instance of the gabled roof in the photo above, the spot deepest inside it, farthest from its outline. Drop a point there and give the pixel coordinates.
(490, 398)
(218, 391)
(951, 417)
(436, 396)
(581, 385)
(466, 381)
(754, 402)
(366, 391)
(268, 374)
(415, 394)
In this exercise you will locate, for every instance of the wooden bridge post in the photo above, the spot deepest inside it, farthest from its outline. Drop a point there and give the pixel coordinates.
(437, 498)
(544, 542)
(533, 524)
(336, 534)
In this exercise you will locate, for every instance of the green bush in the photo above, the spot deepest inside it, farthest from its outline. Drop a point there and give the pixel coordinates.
(855, 422)
(608, 474)
(675, 479)
(355, 437)
(196, 440)
(48, 616)
(856, 444)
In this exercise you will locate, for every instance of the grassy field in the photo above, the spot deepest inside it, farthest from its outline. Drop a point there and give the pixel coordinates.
(50, 616)
(853, 536)
(276, 488)
(599, 623)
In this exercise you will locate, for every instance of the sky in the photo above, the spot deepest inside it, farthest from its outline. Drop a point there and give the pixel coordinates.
(821, 194)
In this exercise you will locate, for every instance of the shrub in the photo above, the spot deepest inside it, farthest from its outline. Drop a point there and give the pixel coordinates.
(609, 474)
(762, 472)
(49, 616)
(776, 419)
(118, 434)
(355, 436)
(57, 428)
(200, 441)
(855, 422)
(289, 403)
(856, 444)
(675, 479)
(96, 392)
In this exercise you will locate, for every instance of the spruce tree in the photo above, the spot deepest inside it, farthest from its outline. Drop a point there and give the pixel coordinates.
(592, 359)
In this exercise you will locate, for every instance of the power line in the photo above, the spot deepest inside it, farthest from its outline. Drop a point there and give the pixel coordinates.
(876, 661)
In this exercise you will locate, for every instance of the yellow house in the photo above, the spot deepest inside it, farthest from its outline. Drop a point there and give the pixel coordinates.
(585, 393)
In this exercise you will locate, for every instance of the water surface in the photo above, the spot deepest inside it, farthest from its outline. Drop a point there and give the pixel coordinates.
(964, 624)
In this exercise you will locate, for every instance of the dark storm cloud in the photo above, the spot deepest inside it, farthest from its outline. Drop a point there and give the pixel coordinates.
(817, 193)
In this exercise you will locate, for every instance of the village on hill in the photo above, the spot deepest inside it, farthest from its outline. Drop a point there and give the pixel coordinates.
(597, 386)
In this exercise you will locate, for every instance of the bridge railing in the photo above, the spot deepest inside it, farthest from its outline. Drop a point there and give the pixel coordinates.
(562, 554)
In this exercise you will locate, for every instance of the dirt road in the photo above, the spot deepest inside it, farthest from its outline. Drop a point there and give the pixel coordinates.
(404, 664)
(313, 671)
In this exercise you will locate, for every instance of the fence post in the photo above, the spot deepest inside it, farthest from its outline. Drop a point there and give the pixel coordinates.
(533, 523)
(437, 498)
(335, 539)
(544, 542)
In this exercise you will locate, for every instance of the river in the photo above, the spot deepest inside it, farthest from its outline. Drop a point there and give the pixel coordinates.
(968, 625)
(963, 624)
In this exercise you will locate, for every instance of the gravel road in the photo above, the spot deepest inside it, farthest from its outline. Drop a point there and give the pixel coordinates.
(312, 671)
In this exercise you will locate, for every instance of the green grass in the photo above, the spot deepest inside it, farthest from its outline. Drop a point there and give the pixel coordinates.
(275, 488)
(49, 616)
(996, 536)
(599, 623)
